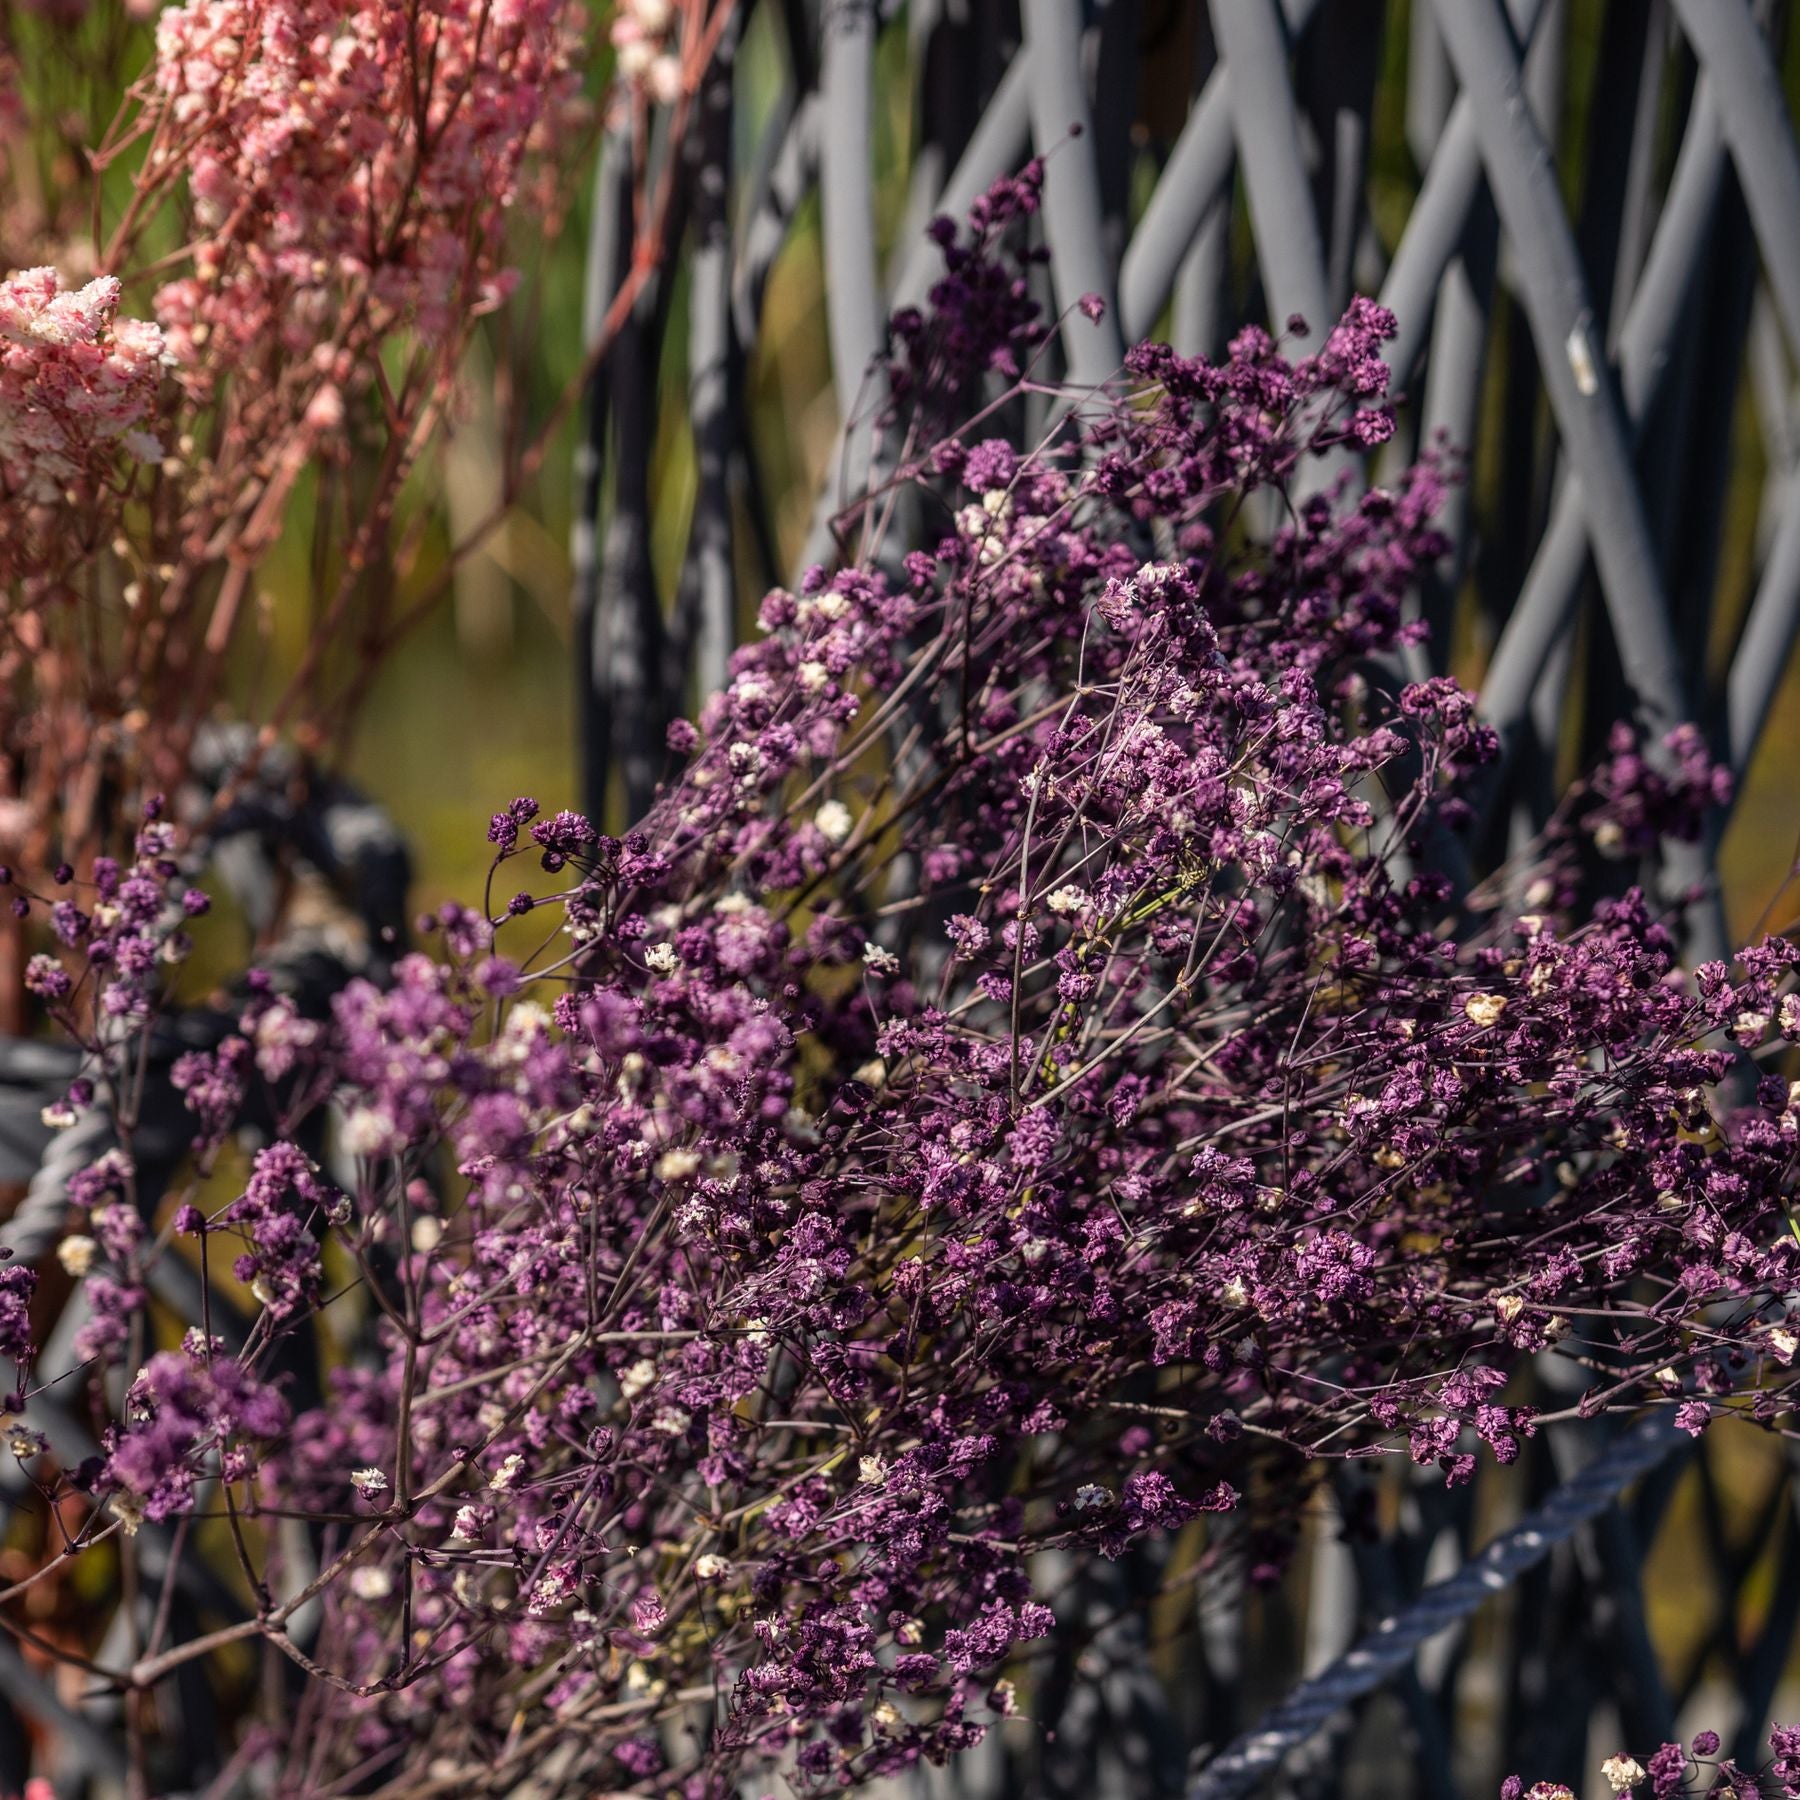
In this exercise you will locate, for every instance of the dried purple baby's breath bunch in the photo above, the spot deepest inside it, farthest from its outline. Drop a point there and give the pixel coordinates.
(1026, 1085)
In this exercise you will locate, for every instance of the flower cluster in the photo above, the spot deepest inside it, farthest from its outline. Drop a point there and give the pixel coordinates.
(186, 1410)
(346, 160)
(78, 385)
(980, 319)
(781, 1223)
(112, 931)
(315, 219)
(1673, 1772)
(1637, 802)
(644, 36)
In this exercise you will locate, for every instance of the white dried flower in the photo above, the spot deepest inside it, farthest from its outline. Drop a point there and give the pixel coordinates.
(24, 1442)
(369, 1482)
(1622, 1772)
(653, 16)
(660, 959)
(1067, 901)
(76, 1253)
(371, 1583)
(634, 1380)
(507, 1473)
(366, 1131)
(1484, 1009)
(665, 80)
(711, 1567)
(879, 961)
(1750, 1028)
(677, 1165)
(635, 57)
(835, 821)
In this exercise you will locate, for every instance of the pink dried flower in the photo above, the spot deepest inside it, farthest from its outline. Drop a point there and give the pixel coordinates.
(77, 384)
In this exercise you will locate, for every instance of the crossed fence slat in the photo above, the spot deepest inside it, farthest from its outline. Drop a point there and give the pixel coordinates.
(1265, 122)
(1546, 604)
(1072, 206)
(705, 626)
(1389, 1649)
(1576, 376)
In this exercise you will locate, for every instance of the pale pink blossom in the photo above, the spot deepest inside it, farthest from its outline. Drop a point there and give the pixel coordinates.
(77, 384)
(326, 181)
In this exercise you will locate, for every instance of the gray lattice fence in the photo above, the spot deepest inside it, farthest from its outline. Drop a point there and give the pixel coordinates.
(1586, 216)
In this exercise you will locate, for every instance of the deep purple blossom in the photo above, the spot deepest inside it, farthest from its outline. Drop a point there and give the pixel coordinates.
(766, 1263)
